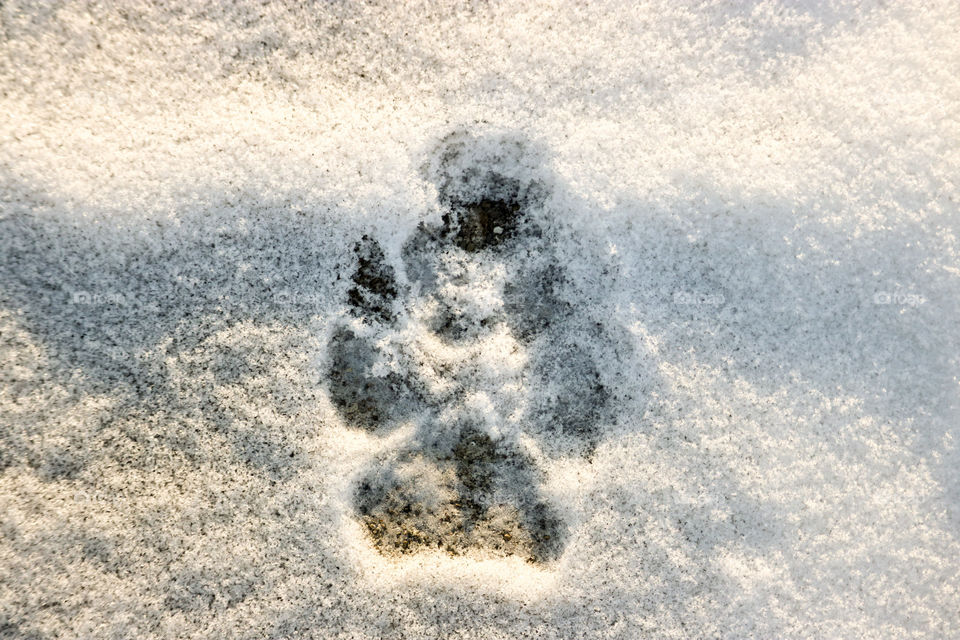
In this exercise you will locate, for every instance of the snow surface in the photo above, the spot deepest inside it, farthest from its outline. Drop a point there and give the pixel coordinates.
(717, 363)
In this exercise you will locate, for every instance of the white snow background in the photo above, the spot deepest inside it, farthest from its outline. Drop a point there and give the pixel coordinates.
(762, 197)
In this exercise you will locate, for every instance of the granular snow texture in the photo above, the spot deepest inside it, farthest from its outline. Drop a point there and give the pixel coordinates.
(482, 320)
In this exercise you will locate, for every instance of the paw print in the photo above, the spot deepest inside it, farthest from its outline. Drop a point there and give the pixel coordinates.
(481, 349)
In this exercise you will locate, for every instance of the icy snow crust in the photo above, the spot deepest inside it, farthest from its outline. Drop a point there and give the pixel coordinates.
(469, 321)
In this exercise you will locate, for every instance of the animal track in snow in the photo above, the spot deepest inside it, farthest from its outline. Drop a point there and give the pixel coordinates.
(483, 351)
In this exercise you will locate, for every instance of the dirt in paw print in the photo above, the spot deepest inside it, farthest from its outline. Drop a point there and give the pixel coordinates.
(482, 350)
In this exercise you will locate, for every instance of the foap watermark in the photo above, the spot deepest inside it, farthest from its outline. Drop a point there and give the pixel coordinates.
(898, 299)
(98, 298)
(112, 351)
(691, 299)
(88, 347)
(93, 496)
(297, 299)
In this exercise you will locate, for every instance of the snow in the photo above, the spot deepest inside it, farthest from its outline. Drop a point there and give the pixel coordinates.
(270, 370)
